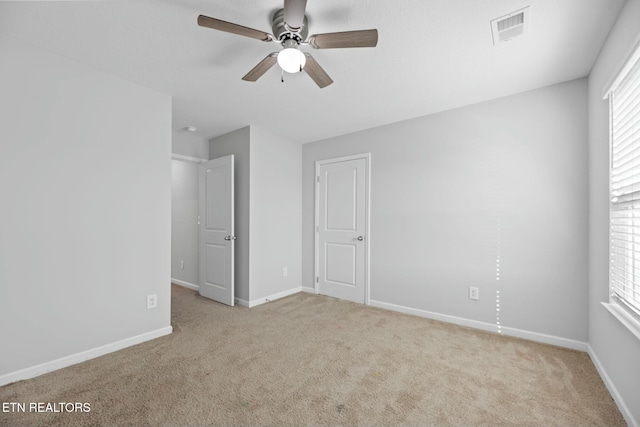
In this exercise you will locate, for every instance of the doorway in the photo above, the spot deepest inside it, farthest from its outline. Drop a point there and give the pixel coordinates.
(342, 237)
(217, 238)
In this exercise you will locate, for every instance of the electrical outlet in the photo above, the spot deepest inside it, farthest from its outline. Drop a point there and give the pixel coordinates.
(285, 272)
(474, 293)
(182, 265)
(152, 301)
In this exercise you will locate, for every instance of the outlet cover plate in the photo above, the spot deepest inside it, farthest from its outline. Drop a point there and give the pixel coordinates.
(152, 301)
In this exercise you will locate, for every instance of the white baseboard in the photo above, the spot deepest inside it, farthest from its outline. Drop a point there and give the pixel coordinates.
(245, 303)
(242, 302)
(259, 301)
(310, 290)
(624, 409)
(63, 362)
(185, 284)
(519, 333)
(544, 338)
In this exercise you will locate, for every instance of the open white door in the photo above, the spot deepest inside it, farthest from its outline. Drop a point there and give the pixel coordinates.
(342, 243)
(217, 230)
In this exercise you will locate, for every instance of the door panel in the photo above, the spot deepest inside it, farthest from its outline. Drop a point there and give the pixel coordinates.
(216, 211)
(342, 226)
(341, 199)
(340, 265)
(217, 230)
(215, 269)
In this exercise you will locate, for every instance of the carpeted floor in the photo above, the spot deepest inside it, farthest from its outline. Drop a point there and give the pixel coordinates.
(313, 360)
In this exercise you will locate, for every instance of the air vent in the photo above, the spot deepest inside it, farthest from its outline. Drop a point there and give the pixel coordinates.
(508, 27)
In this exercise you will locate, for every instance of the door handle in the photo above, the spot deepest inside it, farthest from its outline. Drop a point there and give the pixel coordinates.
(230, 238)
(360, 238)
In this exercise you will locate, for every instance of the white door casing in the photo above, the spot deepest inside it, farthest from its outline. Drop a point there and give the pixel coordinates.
(342, 228)
(217, 236)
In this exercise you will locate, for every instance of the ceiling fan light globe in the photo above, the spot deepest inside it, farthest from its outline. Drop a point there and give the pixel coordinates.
(291, 60)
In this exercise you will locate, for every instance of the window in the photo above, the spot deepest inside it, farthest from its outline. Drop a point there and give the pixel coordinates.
(624, 250)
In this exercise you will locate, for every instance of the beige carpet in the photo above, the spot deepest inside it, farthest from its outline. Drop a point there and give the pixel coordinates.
(313, 360)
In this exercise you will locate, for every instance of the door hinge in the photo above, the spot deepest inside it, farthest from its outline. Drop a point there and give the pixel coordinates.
(317, 229)
(317, 279)
(318, 178)
(198, 219)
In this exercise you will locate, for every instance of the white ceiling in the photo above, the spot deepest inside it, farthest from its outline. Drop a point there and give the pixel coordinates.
(432, 55)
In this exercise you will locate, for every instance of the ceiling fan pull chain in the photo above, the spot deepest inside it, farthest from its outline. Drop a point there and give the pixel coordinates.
(282, 76)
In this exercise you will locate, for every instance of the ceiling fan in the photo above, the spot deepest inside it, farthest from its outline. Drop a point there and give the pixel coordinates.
(290, 30)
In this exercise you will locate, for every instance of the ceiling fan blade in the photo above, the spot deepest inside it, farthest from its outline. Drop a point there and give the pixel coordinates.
(294, 13)
(218, 24)
(262, 67)
(360, 38)
(316, 72)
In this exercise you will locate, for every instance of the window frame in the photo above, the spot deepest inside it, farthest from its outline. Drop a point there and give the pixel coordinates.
(616, 305)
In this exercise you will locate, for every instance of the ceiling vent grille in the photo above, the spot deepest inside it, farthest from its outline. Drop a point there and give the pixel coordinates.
(508, 27)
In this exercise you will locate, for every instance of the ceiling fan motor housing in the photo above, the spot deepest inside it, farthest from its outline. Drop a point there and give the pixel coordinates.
(283, 33)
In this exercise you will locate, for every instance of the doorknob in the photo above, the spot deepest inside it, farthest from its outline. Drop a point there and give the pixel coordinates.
(230, 238)
(360, 238)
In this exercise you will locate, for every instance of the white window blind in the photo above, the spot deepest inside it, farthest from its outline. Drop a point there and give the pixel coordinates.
(624, 272)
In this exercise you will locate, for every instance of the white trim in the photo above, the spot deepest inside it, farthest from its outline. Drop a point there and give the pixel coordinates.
(73, 359)
(630, 59)
(545, 339)
(242, 302)
(316, 224)
(617, 304)
(185, 284)
(367, 219)
(189, 159)
(259, 301)
(622, 407)
(624, 317)
(513, 332)
(253, 303)
(367, 255)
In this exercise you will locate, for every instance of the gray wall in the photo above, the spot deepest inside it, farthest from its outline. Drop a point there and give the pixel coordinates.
(237, 143)
(184, 204)
(268, 216)
(184, 221)
(189, 144)
(616, 349)
(442, 186)
(85, 227)
(276, 214)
